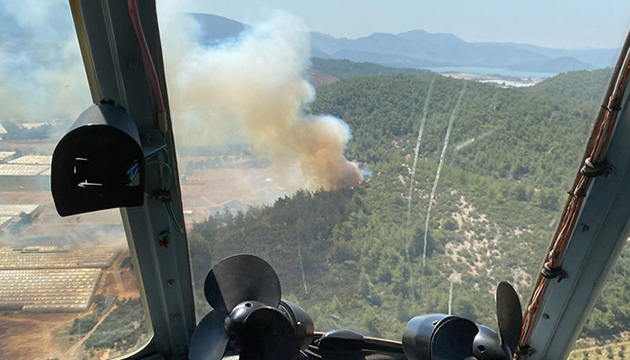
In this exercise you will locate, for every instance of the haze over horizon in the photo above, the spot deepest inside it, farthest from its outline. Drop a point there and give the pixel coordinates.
(564, 24)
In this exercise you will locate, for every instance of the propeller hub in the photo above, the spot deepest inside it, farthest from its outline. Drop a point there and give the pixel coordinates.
(236, 322)
(244, 292)
(487, 345)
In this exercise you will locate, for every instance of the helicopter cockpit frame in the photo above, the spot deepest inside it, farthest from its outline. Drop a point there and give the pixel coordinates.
(121, 49)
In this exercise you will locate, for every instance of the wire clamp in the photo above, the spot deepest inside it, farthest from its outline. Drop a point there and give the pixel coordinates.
(163, 196)
(164, 239)
(525, 350)
(612, 108)
(551, 273)
(594, 170)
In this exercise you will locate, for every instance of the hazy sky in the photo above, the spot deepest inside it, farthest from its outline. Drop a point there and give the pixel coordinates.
(552, 23)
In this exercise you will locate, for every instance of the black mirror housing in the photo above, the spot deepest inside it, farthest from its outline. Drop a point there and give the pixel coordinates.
(99, 164)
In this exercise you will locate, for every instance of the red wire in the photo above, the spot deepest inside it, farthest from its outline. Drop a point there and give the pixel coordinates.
(146, 55)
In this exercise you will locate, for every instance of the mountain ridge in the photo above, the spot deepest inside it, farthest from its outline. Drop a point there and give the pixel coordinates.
(419, 48)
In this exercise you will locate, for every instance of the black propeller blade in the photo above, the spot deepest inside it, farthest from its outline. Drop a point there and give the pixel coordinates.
(210, 338)
(240, 278)
(489, 345)
(509, 316)
(244, 291)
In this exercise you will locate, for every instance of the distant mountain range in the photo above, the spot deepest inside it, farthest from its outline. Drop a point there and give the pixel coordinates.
(418, 48)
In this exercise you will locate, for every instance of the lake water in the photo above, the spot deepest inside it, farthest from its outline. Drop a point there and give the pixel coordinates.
(491, 71)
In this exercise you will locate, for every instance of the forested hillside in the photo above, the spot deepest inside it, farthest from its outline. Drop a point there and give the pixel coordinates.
(353, 258)
(581, 85)
(346, 68)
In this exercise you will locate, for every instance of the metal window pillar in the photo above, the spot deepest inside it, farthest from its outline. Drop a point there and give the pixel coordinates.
(595, 245)
(116, 72)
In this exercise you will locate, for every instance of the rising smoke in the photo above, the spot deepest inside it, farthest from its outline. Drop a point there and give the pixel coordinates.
(253, 87)
(42, 79)
(41, 72)
(256, 86)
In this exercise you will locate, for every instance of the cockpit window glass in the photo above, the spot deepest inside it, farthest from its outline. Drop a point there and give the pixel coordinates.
(387, 159)
(68, 287)
(605, 333)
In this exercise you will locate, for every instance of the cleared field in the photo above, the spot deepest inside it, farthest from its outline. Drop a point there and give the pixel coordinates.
(4, 220)
(33, 160)
(22, 169)
(16, 209)
(36, 125)
(5, 155)
(207, 191)
(51, 279)
(618, 350)
(49, 290)
(28, 335)
(55, 258)
(34, 146)
(44, 288)
(25, 197)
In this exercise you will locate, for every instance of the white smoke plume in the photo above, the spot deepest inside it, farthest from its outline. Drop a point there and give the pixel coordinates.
(42, 78)
(256, 85)
(41, 72)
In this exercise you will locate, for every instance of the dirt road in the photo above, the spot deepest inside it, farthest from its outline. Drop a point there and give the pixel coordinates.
(69, 355)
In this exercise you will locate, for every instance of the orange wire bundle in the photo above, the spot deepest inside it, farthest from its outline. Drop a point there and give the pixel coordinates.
(595, 154)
